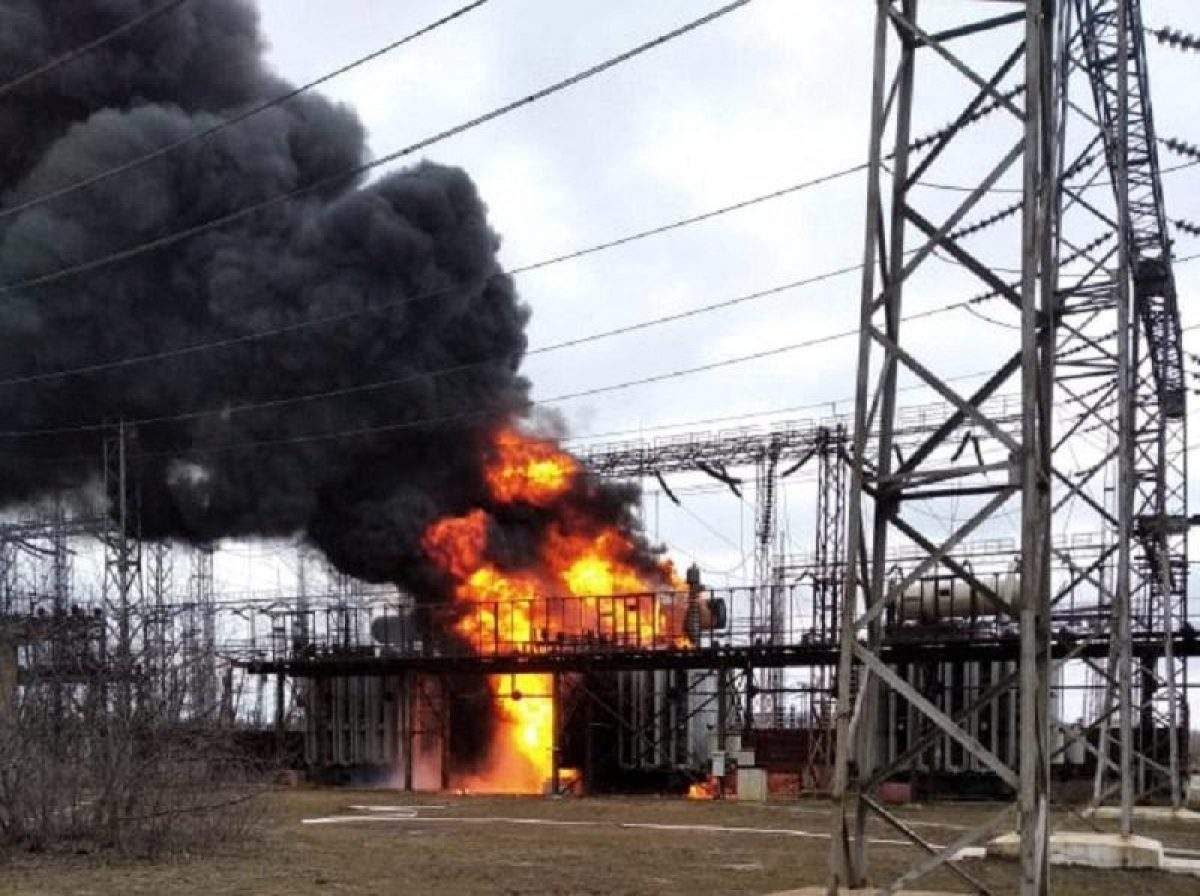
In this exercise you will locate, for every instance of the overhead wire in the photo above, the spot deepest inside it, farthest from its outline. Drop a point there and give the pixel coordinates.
(230, 410)
(342, 177)
(670, 375)
(245, 338)
(730, 418)
(95, 44)
(457, 13)
(642, 234)
(226, 411)
(963, 188)
(516, 271)
(224, 123)
(329, 319)
(378, 307)
(637, 326)
(425, 422)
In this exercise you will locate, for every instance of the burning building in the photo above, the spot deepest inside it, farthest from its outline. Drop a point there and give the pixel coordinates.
(572, 544)
(549, 563)
(343, 367)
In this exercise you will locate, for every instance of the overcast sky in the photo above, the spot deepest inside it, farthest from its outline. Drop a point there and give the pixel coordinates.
(772, 94)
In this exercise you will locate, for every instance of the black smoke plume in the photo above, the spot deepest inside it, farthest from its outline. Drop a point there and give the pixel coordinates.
(419, 235)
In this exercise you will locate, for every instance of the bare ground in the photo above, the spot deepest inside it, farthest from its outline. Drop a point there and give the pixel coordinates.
(496, 855)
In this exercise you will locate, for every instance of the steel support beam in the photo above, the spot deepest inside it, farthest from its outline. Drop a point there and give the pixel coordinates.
(878, 497)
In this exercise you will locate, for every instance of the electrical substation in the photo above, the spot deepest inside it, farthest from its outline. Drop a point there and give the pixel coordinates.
(992, 603)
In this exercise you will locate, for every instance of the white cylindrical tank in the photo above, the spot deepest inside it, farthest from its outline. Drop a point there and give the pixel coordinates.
(945, 597)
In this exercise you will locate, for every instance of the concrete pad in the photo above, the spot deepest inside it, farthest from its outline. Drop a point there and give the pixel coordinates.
(1088, 850)
(1167, 814)
(869, 891)
(1181, 866)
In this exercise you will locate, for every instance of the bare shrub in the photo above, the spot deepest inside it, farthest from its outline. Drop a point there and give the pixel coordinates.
(104, 760)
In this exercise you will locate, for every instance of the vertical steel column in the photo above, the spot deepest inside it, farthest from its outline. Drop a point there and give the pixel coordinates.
(280, 717)
(1128, 397)
(204, 668)
(122, 561)
(768, 614)
(555, 732)
(1112, 44)
(159, 621)
(9, 672)
(722, 707)
(1039, 204)
(444, 733)
(934, 472)
(847, 863)
(1122, 606)
(407, 734)
(748, 702)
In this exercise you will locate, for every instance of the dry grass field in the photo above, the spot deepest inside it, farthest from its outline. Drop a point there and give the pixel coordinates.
(475, 846)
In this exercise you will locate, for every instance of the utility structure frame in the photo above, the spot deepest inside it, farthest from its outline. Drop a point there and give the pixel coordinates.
(201, 658)
(1108, 41)
(896, 484)
(715, 456)
(1137, 361)
(122, 561)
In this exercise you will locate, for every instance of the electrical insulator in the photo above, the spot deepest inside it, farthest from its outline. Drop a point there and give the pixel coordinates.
(1180, 40)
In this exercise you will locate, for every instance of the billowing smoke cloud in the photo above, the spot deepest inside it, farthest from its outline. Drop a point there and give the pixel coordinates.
(364, 501)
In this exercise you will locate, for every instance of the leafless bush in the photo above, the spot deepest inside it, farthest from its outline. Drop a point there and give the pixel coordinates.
(109, 760)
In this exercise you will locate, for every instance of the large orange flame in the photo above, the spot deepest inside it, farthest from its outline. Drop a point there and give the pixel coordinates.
(533, 471)
(500, 610)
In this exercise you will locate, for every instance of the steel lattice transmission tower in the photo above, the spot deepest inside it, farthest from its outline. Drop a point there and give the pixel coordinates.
(1046, 104)
(1108, 42)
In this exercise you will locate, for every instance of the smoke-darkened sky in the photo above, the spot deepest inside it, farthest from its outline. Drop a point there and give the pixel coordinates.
(773, 94)
(415, 241)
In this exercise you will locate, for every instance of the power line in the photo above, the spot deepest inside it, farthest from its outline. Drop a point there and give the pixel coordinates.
(960, 188)
(221, 125)
(568, 396)
(614, 387)
(84, 49)
(598, 390)
(342, 177)
(226, 410)
(516, 271)
(457, 368)
(830, 403)
(384, 306)
(469, 415)
(570, 343)
(580, 253)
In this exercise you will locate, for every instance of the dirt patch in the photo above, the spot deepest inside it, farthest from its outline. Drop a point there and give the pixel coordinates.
(614, 847)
